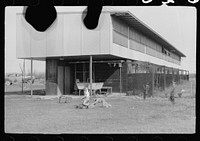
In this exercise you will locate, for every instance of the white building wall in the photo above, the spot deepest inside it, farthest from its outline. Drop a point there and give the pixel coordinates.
(54, 37)
(23, 39)
(67, 36)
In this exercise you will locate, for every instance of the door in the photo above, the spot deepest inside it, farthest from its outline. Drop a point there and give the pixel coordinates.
(67, 80)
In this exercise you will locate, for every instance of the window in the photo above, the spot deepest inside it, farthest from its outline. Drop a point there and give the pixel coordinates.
(137, 68)
(120, 32)
(131, 68)
(82, 72)
(120, 26)
(120, 39)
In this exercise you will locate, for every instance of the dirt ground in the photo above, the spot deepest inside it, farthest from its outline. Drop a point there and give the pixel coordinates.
(128, 114)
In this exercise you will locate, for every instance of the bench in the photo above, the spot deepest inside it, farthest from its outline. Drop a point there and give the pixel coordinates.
(95, 86)
(107, 89)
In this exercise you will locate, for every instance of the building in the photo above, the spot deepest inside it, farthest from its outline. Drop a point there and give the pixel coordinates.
(126, 53)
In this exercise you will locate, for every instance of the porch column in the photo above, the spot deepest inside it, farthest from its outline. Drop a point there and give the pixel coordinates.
(90, 75)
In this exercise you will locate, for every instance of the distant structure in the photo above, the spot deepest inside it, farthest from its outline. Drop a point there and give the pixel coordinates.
(126, 53)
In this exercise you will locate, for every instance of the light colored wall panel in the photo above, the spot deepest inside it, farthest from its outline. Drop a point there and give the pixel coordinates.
(38, 43)
(22, 37)
(123, 51)
(90, 40)
(104, 23)
(115, 49)
(72, 34)
(54, 37)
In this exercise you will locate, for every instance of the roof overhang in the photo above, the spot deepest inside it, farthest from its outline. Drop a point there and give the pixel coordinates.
(102, 57)
(133, 21)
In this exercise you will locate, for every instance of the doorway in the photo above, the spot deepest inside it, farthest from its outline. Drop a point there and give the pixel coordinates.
(63, 80)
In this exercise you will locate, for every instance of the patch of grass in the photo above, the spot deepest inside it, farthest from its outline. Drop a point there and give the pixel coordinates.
(127, 115)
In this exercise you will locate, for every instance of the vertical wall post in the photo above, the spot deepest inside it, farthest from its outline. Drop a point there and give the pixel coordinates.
(24, 67)
(31, 76)
(153, 75)
(90, 75)
(23, 76)
(164, 78)
(120, 78)
(128, 39)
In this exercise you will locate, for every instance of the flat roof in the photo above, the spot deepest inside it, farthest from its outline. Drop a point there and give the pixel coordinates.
(132, 20)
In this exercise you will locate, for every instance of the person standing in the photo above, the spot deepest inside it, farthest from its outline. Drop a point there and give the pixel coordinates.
(172, 93)
(146, 90)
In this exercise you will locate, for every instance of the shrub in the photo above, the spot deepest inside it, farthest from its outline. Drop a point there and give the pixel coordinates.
(134, 92)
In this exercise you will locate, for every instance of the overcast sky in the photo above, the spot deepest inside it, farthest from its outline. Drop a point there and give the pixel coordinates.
(175, 24)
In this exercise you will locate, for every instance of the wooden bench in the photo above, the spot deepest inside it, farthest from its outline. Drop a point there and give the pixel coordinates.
(107, 89)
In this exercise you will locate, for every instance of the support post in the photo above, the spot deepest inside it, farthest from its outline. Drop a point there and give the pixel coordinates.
(24, 67)
(191, 89)
(31, 76)
(120, 78)
(153, 75)
(90, 75)
(164, 78)
(23, 73)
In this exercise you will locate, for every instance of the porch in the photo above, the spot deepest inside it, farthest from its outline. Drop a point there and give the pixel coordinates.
(66, 76)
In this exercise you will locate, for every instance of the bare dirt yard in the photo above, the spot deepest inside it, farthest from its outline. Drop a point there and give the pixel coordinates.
(128, 114)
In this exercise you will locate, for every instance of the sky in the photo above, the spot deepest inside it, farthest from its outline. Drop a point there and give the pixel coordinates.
(175, 24)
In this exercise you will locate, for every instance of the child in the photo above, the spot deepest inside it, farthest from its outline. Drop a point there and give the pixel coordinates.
(146, 90)
(86, 97)
(172, 93)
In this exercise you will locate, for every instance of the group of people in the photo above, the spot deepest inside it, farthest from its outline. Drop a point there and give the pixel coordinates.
(172, 92)
(86, 101)
(86, 98)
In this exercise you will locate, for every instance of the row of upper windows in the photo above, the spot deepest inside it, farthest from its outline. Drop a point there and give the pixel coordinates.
(145, 68)
(125, 31)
